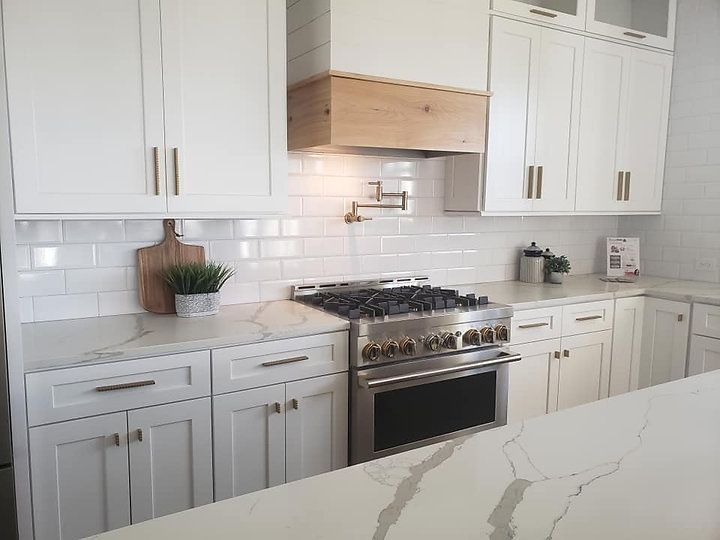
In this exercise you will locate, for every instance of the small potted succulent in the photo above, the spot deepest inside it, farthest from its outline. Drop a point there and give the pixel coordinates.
(197, 287)
(556, 268)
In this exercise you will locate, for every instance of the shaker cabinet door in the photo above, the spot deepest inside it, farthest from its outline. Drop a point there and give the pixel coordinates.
(85, 102)
(646, 22)
(665, 338)
(627, 345)
(528, 382)
(570, 13)
(224, 79)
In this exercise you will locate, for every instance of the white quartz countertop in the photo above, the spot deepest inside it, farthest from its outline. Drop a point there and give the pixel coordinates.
(104, 339)
(644, 465)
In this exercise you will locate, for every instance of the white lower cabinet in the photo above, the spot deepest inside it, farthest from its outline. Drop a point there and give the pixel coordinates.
(704, 355)
(665, 338)
(271, 435)
(627, 345)
(581, 374)
(80, 477)
(528, 382)
(170, 458)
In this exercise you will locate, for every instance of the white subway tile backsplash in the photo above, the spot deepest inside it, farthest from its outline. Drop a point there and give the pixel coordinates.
(301, 268)
(63, 256)
(119, 303)
(323, 165)
(362, 245)
(34, 232)
(22, 257)
(88, 280)
(276, 290)
(208, 229)
(302, 227)
(323, 206)
(323, 247)
(365, 167)
(281, 248)
(65, 306)
(246, 271)
(233, 250)
(26, 310)
(394, 168)
(120, 254)
(79, 232)
(41, 283)
(240, 293)
(251, 228)
(146, 230)
(416, 225)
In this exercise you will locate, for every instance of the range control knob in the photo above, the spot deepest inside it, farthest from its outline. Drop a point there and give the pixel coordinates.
(371, 351)
(487, 335)
(408, 346)
(390, 348)
(449, 340)
(472, 337)
(501, 331)
(432, 342)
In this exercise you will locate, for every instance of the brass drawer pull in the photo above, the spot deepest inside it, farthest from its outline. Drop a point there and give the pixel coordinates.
(627, 186)
(277, 407)
(295, 404)
(543, 13)
(566, 353)
(635, 35)
(176, 159)
(556, 354)
(140, 435)
(533, 325)
(124, 386)
(621, 177)
(531, 181)
(156, 160)
(116, 439)
(538, 188)
(589, 318)
(680, 317)
(284, 361)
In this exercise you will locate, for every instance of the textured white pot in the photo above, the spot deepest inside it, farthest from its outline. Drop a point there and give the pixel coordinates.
(555, 277)
(197, 305)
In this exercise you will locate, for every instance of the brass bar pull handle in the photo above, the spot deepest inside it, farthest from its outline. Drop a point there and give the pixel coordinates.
(533, 325)
(531, 181)
(566, 353)
(556, 354)
(284, 361)
(627, 186)
(176, 160)
(589, 318)
(140, 435)
(277, 406)
(295, 404)
(680, 317)
(156, 164)
(621, 177)
(116, 439)
(543, 13)
(538, 195)
(124, 386)
(635, 35)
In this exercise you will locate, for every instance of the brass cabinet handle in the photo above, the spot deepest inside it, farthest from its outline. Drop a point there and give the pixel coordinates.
(124, 386)
(140, 435)
(533, 325)
(635, 35)
(531, 180)
(621, 177)
(538, 195)
(277, 406)
(156, 163)
(116, 439)
(295, 404)
(176, 160)
(589, 318)
(627, 186)
(284, 361)
(556, 354)
(680, 317)
(566, 353)
(543, 13)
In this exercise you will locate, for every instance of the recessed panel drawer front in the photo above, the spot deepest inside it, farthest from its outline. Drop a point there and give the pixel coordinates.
(588, 317)
(64, 394)
(706, 320)
(262, 364)
(536, 325)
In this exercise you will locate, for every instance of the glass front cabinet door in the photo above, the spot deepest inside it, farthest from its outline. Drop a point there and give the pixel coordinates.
(649, 22)
(570, 13)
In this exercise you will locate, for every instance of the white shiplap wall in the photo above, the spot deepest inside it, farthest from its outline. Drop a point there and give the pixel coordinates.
(684, 242)
(72, 269)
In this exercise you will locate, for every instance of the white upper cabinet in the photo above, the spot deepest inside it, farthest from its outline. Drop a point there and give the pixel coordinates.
(442, 42)
(140, 106)
(563, 12)
(649, 22)
(534, 118)
(224, 77)
(85, 104)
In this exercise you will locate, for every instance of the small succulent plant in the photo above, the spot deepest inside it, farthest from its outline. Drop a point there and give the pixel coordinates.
(197, 278)
(559, 264)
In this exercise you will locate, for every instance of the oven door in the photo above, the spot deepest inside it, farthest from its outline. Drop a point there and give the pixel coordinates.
(411, 404)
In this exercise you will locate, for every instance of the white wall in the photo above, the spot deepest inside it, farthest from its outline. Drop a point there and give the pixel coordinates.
(72, 269)
(686, 238)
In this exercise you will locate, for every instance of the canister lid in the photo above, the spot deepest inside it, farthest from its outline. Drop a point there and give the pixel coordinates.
(548, 254)
(533, 251)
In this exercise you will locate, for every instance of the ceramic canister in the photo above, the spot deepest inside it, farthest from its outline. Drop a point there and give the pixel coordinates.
(532, 265)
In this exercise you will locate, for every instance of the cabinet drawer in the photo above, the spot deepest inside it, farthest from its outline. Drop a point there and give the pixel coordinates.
(536, 325)
(706, 320)
(262, 364)
(63, 394)
(588, 317)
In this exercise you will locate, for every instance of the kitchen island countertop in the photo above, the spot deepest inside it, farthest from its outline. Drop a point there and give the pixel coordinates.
(644, 465)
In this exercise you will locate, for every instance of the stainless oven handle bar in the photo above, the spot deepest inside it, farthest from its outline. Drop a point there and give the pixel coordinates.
(372, 383)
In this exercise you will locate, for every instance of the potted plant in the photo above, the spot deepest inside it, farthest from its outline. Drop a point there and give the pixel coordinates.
(197, 287)
(556, 268)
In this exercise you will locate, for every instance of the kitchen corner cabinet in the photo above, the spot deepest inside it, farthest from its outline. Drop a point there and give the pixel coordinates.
(535, 76)
(86, 472)
(665, 340)
(272, 435)
(146, 107)
(623, 128)
(627, 345)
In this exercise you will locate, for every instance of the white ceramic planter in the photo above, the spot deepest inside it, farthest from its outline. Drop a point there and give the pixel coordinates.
(197, 305)
(555, 277)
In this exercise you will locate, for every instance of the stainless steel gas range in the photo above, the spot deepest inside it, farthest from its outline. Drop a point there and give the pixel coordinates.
(426, 364)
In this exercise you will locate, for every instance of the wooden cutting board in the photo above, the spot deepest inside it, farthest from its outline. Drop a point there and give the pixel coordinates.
(155, 296)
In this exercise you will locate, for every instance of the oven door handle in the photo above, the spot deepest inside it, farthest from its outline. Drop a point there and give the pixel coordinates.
(506, 358)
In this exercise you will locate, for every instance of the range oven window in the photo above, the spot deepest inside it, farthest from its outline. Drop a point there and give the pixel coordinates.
(416, 413)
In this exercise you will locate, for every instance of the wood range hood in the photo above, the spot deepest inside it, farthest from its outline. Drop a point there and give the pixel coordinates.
(348, 113)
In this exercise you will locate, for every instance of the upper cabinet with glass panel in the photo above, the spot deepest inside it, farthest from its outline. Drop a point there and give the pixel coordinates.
(649, 22)
(569, 13)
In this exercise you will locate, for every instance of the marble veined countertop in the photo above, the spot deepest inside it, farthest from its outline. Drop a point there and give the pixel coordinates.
(55, 344)
(644, 465)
